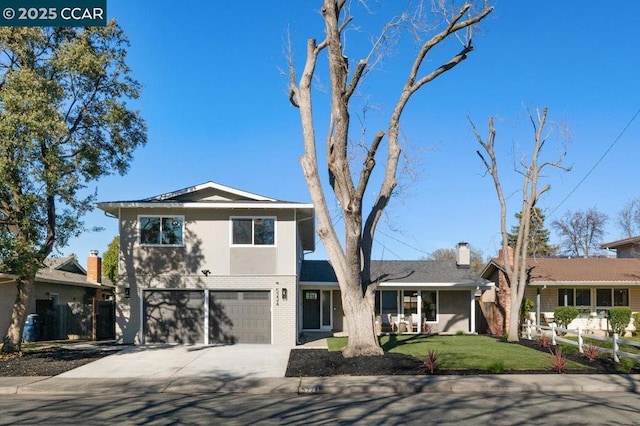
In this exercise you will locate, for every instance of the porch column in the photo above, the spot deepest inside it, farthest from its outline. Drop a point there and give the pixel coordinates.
(473, 311)
(419, 310)
(538, 298)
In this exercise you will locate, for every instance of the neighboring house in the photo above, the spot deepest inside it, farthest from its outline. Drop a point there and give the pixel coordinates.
(210, 264)
(593, 285)
(627, 248)
(213, 264)
(64, 294)
(418, 296)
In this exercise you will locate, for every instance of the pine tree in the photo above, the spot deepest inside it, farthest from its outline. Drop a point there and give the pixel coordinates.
(539, 240)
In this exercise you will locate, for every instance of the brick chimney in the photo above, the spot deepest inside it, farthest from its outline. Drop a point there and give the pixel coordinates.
(509, 254)
(94, 267)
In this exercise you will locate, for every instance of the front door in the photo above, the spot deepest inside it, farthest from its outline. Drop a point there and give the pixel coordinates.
(311, 309)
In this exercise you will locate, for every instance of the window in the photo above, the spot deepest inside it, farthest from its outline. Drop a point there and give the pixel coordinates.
(603, 296)
(583, 297)
(253, 231)
(574, 296)
(409, 302)
(565, 295)
(430, 305)
(161, 230)
(620, 297)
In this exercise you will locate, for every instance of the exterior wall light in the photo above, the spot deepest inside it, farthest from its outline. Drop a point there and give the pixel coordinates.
(284, 294)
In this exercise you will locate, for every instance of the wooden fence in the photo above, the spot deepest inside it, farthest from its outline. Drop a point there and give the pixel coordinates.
(616, 353)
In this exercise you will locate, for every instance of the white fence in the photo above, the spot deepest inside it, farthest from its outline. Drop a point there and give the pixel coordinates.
(531, 330)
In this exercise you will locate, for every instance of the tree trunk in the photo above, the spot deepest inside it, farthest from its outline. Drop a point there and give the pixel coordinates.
(12, 342)
(360, 325)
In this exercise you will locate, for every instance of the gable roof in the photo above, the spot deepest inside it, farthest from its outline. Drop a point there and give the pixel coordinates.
(68, 264)
(576, 271)
(210, 188)
(61, 270)
(204, 195)
(405, 272)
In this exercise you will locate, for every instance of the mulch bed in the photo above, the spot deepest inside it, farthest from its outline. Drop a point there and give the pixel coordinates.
(320, 362)
(49, 361)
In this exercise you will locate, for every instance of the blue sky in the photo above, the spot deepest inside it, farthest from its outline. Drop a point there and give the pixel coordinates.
(216, 107)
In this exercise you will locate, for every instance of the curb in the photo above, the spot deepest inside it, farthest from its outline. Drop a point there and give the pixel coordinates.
(337, 385)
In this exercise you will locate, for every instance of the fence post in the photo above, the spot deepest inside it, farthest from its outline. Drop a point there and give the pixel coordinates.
(580, 342)
(616, 348)
(553, 334)
(529, 329)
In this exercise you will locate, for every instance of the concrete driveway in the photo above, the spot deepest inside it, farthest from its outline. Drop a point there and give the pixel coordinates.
(175, 361)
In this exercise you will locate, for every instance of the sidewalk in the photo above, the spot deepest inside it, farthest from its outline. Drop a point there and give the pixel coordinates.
(486, 384)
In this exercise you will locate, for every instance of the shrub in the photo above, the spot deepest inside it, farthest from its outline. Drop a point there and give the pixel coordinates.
(619, 319)
(526, 307)
(636, 323)
(625, 365)
(432, 363)
(564, 315)
(496, 367)
(591, 352)
(459, 333)
(559, 361)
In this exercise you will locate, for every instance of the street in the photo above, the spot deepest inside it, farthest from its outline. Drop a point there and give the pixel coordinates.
(244, 408)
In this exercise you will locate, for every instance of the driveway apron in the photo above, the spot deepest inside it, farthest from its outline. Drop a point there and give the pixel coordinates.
(175, 361)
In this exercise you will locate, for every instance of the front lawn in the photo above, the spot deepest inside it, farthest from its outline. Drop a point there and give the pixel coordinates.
(466, 352)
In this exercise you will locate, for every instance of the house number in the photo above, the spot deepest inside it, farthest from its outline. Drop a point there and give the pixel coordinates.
(277, 297)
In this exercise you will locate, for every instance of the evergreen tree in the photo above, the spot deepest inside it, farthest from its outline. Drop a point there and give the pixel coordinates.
(539, 235)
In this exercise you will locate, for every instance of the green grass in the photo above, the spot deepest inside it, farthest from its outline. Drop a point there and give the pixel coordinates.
(466, 352)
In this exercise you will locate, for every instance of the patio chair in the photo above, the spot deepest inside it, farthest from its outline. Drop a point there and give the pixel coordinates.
(414, 322)
(388, 325)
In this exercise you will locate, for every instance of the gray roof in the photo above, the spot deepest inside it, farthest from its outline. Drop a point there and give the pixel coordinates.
(398, 271)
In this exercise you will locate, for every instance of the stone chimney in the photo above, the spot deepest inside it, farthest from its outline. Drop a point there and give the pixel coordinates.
(509, 255)
(94, 267)
(463, 255)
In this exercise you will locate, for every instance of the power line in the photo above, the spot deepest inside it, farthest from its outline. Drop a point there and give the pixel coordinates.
(597, 163)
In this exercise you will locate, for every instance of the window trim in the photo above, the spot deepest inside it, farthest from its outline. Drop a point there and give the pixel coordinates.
(161, 216)
(253, 218)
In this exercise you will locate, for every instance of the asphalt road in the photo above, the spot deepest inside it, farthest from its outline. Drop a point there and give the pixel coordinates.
(244, 409)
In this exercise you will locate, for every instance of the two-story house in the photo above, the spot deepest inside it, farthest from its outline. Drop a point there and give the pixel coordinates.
(209, 264)
(213, 264)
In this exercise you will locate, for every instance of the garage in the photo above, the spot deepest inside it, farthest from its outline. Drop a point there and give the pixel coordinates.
(174, 316)
(178, 316)
(239, 317)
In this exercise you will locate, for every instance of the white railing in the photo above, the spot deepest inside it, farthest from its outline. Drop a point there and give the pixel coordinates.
(555, 338)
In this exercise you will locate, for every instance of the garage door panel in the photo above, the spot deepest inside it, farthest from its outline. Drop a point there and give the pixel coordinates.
(174, 316)
(247, 317)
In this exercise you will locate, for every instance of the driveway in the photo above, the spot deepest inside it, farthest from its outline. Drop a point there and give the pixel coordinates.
(174, 361)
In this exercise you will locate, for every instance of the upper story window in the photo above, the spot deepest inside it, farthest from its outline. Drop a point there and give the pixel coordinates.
(256, 231)
(161, 230)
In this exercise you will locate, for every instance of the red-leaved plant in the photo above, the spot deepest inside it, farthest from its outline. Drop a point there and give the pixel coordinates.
(432, 363)
(591, 352)
(545, 341)
(559, 361)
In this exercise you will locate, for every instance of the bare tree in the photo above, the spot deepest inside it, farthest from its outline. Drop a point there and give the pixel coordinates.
(514, 259)
(351, 258)
(628, 219)
(477, 257)
(581, 231)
